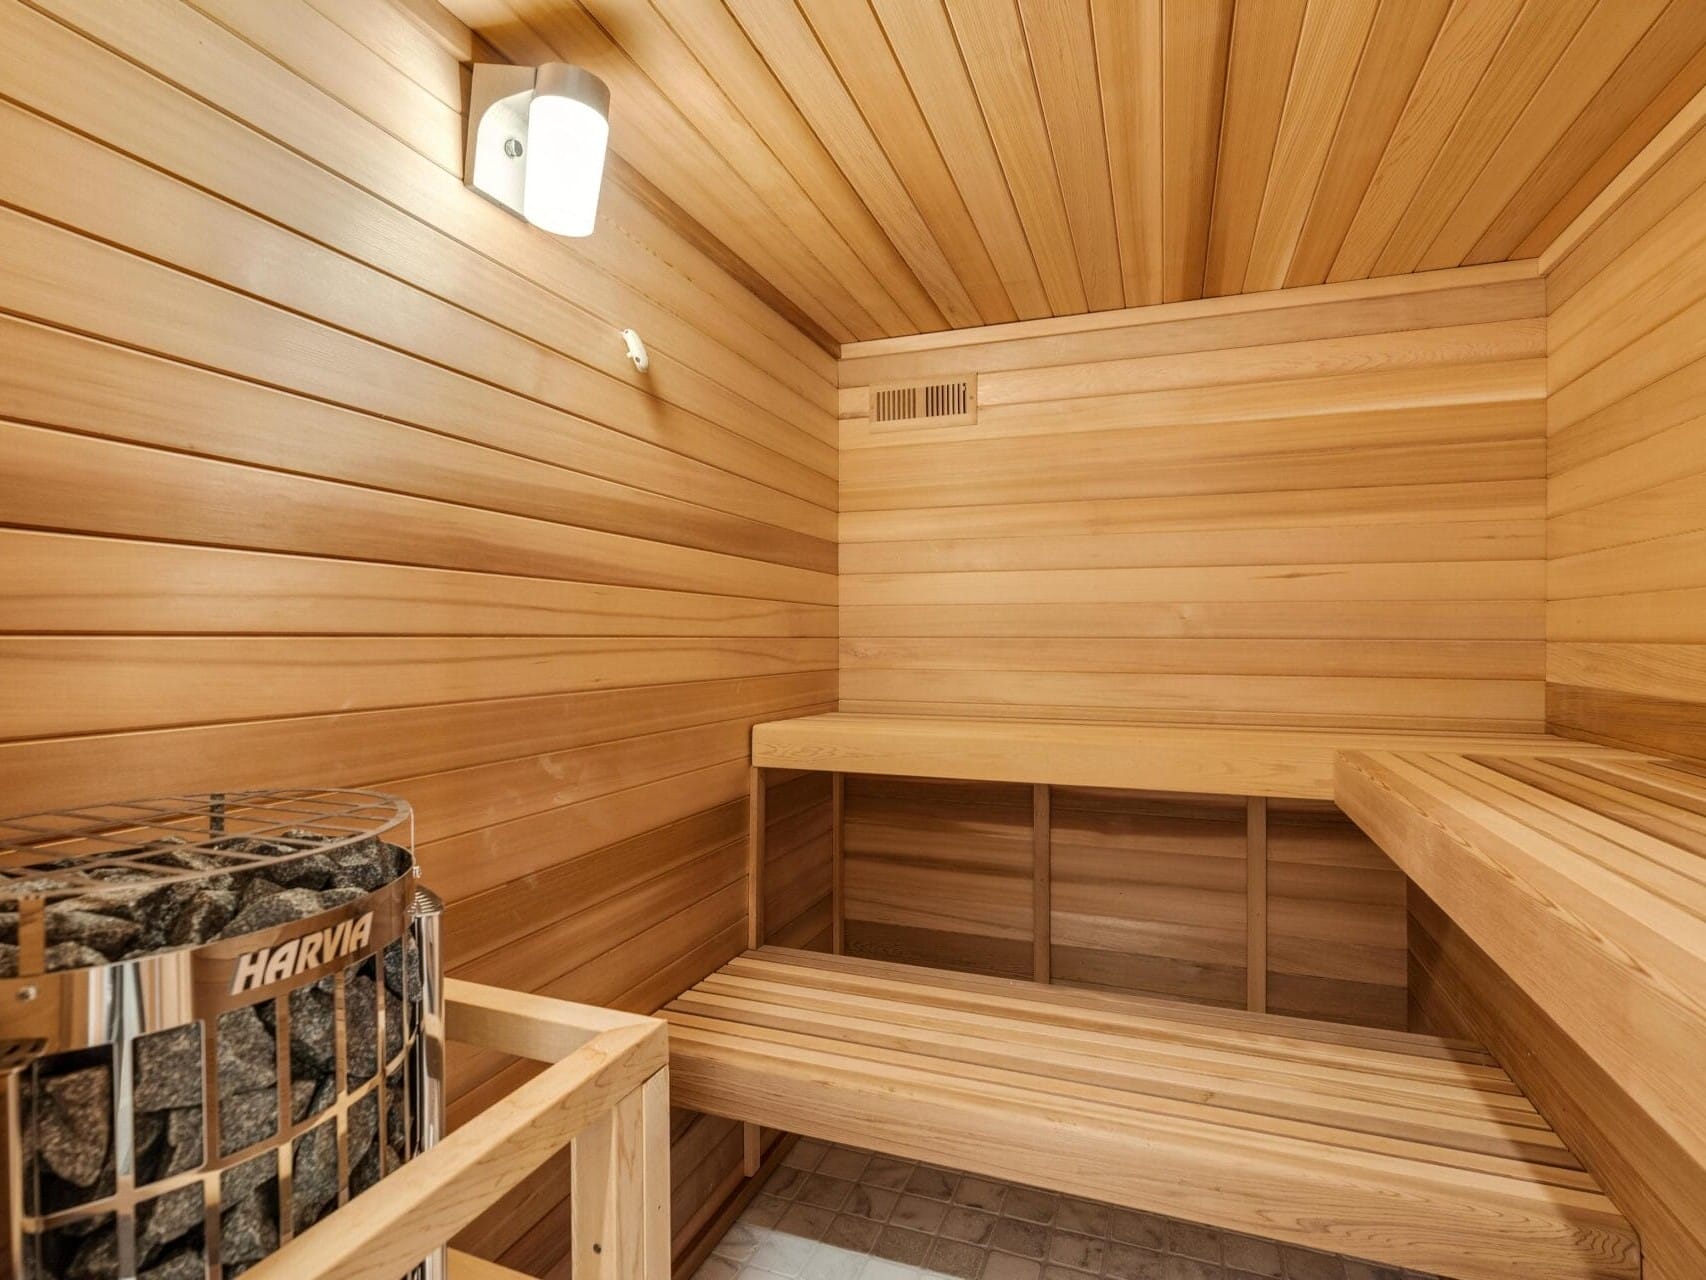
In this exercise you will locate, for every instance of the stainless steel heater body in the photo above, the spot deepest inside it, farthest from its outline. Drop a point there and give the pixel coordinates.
(222, 1017)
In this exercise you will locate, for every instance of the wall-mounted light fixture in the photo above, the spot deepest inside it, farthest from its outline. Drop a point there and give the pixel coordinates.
(536, 142)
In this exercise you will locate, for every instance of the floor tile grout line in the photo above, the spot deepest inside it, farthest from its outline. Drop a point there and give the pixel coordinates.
(836, 1213)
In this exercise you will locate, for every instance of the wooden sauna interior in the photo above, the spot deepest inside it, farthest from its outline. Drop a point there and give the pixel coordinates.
(1305, 618)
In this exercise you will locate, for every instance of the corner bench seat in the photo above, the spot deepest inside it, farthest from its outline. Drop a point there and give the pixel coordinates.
(1581, 877)
(1407, 1150)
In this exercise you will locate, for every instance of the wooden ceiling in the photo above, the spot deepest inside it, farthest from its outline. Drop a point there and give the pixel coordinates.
(884, 167)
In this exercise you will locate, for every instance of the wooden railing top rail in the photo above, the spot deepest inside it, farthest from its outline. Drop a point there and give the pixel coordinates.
(606, 1092)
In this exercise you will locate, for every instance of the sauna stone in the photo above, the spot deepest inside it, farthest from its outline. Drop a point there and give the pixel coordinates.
(186, 1264)
(247, 1118)
(110, 935)
(165, 1219)
(247, 1056)
(248, 1230)
(203, 916)
(272, 906)
(168, 1069)
(122, 924)
(75, 1124)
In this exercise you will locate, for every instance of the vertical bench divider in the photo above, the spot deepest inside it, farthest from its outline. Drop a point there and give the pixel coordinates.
(1256, 902)
(755, 858)
(1042, 898)
(837, 865)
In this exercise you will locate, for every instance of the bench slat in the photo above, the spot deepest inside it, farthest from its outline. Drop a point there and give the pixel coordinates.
(1573, 889)
(1229, 760)
(1409, 1150)
(1228, 1070)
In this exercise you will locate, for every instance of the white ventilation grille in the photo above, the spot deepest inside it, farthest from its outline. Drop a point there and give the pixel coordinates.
(939, 403)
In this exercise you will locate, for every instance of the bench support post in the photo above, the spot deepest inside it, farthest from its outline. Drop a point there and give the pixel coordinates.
(1256, 903)
(755, 858)
(1042, 896)
(837, 865)
(751, 1141)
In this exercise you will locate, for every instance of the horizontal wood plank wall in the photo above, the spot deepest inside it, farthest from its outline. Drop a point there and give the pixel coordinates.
(319, 468)
(1336, 928)
(1149, 893)
(1321, 506)
(939, 873)
(1626, 609)
(797, 860)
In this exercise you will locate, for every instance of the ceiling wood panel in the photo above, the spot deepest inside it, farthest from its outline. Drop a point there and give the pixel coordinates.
(1128, 53)
(1328, 49)
(992, 41)
(890, 167)
(859, 53)
(1257, 75)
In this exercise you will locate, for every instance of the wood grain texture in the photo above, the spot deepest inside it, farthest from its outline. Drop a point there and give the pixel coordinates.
(895, 167)
(1405, 1149)
(940, 873)
(1292, 763)
(1150, 893)
(1453, 984)
(1175, 519)
(1335, 919)
(598, 1102)
(1626, 496)
(1164, 894)
(1579, 878)
(319, 467)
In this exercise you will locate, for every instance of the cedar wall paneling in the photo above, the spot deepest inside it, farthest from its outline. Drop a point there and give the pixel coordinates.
(1321, 506)
(939, 873)
(1626, 632)
(318, 468)
(1626, 528)
(1149, 893)
(1336, 929)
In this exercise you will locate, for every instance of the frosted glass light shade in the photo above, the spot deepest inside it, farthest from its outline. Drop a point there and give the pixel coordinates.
(568, 128)
(536, 142)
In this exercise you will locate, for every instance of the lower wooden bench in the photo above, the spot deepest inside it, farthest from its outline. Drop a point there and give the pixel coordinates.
(1406, 1150)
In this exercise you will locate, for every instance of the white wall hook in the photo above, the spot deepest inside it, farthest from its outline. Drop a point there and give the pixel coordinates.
(636, 350)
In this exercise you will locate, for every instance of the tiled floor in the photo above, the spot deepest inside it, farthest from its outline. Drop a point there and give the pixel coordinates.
(833, 1213)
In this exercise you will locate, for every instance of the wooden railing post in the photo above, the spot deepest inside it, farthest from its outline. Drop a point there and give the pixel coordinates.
(618, 1197)
(655, 1148)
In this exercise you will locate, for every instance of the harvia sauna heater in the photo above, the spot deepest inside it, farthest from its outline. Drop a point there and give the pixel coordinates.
(220, 1018)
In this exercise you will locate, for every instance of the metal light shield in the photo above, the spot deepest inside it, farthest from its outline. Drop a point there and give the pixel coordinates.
(536, 143)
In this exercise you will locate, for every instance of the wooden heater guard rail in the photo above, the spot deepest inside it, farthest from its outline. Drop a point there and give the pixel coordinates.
(606, 1092)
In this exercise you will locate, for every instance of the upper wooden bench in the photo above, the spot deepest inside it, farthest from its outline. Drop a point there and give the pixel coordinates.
(1295, 763)
(1406, 1150)
(1582, 878)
